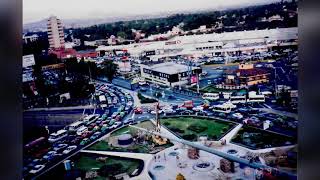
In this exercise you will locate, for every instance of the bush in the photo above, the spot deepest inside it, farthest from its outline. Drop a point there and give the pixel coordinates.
(166, 123)
(110, 170)
(189, 137)
(174, 129)
(213, 137)
(197, 128)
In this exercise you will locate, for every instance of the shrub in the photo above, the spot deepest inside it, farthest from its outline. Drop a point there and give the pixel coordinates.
(166, 123)
(197, 128)
(189, 137)
(111, 169)
(174, 129)
(213, 137)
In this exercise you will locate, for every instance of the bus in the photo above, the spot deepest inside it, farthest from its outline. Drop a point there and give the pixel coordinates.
(36, 146)
(57, 136)
(254, 97)
(211, 96)
(90, 118)
(226, 107)
(238, 99)
(75, 126)
(226, 95)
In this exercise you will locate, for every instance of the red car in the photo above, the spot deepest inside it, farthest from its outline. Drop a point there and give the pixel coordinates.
(138, 111)
(86, 134)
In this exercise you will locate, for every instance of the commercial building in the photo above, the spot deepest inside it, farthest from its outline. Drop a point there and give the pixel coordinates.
(227, 43)
(55, 33)
(169, 73)
(246, 75)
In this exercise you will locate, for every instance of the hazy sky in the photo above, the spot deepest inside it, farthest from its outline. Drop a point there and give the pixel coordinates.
(34, 10)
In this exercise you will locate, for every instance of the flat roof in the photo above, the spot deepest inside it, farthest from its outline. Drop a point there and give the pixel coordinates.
(170, 68)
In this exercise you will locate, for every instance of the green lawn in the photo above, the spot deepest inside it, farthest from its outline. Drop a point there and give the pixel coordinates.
(138, 148)
(131, 130)
(254, 138)
(214, 129)
(87, 162)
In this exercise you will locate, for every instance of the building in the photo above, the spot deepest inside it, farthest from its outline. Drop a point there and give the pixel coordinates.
(168, 74)
(246, 75)
(31, 38)
(55, 33)
(216, 44)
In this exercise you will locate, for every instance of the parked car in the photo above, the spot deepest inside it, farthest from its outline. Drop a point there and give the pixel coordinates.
(128, 121)
(60, 147)
(85, 141)
(36, 169)
(169, 111)
(138, 111)
(77, 140)
(69, 149)
(95, 135)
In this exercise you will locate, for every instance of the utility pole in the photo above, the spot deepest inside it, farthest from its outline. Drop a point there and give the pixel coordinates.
(197, 82)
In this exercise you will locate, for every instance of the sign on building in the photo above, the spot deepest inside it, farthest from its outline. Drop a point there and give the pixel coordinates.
(28, 60)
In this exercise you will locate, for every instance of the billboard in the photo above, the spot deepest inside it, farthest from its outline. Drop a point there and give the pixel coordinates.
(28, 60)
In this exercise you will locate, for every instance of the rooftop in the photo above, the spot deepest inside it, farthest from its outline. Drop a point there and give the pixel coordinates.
(170, 68)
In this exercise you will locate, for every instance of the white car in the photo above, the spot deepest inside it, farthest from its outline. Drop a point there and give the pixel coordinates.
(69, 149)
(36, 169)
(154, 112)
(198, 108)
(237, 115)
(60, 146)
(168, 111)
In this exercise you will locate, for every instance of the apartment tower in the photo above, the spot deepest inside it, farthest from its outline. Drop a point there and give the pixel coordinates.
(55, 33)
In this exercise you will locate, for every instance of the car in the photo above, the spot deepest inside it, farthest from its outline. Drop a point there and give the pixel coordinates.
(186, 112)
(104, 128)
(86, 134)
(118, 123)
(197, 109)
(128, 121)
(154, 112)
(138, 111)
(85, 141)
(77, 140)
(36, 169)
(60, 147)
(95, 135)
(180, 109)
(237, 115)
(169, 111)
(49, 156)
(69, 149)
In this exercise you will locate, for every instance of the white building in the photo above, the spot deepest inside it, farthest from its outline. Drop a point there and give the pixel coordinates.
(214, 43)
(55, 33)
(30, 38)
(168, 74)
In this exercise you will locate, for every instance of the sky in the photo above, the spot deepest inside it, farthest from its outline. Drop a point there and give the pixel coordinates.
(35, 10)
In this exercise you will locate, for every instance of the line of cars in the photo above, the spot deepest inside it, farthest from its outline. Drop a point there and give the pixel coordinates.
(80, 133)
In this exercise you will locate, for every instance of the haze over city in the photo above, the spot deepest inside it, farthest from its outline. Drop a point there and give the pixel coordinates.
(82, 9)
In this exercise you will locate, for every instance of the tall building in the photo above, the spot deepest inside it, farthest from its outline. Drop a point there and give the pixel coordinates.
(55, 33)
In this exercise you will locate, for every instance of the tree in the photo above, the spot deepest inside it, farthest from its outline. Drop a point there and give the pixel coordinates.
(109, 69)
(180, 177)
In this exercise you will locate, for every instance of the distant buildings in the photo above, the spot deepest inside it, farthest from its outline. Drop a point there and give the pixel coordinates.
(168, 74)
(55, 33)
(213, 44)
(31, 38)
